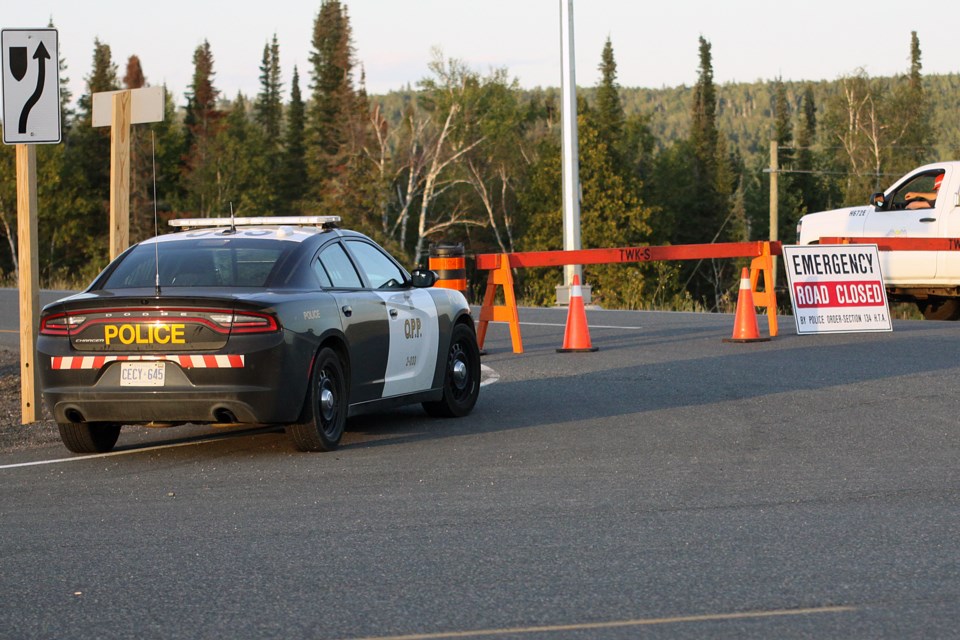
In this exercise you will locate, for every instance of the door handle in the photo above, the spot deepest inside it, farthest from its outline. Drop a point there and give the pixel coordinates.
(928, 219)
(393, 313)
(347, 310)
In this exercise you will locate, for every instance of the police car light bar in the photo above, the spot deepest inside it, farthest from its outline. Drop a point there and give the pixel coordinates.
(193, 223)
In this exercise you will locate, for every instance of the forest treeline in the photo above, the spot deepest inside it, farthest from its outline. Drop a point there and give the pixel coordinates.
(471, 157)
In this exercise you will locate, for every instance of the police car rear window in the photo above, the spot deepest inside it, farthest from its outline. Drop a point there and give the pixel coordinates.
(207, 262)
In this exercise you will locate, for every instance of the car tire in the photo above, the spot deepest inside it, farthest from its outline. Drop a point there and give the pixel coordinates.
(89, 437)
(324, 414)
(948, 309)
(461, 379)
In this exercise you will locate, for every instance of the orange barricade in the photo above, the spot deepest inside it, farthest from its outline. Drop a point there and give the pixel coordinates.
(500, 275)
(500, 266)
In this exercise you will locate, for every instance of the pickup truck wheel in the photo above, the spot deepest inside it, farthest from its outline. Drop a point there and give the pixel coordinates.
(940, 310)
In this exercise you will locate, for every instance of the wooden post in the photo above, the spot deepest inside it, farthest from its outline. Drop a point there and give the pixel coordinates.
(774, 205)
(29, 278)
(120, 173)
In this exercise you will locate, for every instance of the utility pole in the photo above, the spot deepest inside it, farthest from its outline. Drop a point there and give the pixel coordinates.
(571, 168)
(774, 206)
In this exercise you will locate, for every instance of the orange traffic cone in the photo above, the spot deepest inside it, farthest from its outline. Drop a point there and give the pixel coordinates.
(576, 337)
(745, 325)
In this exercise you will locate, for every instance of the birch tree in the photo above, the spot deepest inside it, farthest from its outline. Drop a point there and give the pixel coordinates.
(452, 133)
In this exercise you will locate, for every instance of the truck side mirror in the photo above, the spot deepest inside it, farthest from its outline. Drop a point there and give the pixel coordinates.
(878, 200)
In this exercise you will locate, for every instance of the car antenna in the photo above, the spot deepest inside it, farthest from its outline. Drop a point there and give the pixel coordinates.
(156, 232)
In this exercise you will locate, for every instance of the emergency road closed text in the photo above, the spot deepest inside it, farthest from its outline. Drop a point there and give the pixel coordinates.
(838, 294)
(832, 264)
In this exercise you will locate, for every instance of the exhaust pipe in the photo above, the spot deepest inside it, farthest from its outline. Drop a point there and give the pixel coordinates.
(74, 416)
(224, 416)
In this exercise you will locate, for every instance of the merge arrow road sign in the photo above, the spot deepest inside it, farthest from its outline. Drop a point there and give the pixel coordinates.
(31, 86)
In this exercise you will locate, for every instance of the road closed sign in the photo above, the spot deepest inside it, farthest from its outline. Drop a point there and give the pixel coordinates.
(836, 288)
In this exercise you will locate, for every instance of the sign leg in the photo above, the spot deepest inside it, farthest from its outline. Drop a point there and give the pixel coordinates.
(29, 280)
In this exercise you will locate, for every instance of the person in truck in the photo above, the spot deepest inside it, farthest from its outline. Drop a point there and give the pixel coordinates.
(924, 199)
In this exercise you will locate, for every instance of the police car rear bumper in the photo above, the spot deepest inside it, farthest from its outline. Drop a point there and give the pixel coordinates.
(253, 406)
(265, 386)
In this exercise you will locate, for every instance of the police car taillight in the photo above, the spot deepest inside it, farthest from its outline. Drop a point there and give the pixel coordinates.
(60, 324)
(245, 322)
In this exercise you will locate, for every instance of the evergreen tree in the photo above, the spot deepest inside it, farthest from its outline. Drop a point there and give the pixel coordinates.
(612, 211)
(78, 235)
(268, 109)
(103, 77)
(703, 129)
(134, 78)
(66, 96)
(202, 122)
(808, 183)
(170, 149)
(293, 181)
(693, 183)
(237, 174)
(359, 191)
(333, 97)
(919, 134)
(609, 109)
(141, 211)
(782, 130)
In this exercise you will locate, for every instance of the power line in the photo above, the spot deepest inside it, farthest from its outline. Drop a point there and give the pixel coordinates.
(834, 173)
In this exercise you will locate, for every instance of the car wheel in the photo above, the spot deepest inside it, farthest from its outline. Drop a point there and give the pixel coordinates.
(89, 437)
(461, 380)
(941, 310)
(325, 410)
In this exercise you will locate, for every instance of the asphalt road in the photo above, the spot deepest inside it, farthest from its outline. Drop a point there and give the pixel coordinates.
(670, 485)
(10, 314)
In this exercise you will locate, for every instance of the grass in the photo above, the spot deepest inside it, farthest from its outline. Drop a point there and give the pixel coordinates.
(10, 281)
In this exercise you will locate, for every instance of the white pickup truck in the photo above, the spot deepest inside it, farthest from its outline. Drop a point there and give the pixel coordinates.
(925, 203)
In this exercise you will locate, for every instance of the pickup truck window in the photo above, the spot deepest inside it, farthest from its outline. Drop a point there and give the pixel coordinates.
(920, 192)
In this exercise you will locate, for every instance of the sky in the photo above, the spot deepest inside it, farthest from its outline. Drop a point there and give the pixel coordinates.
(655, 44)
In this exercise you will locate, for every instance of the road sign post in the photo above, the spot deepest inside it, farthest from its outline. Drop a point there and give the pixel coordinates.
(120, 174)
(119, 110)
(29, 284)
(30, 61)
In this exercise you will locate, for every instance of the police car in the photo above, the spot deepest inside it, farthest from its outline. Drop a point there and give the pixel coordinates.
(289, 321)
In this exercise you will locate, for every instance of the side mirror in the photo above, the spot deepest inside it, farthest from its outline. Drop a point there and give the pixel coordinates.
(423, 278)
(878, 200)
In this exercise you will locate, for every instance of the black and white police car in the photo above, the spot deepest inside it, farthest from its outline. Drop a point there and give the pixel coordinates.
(288, 321)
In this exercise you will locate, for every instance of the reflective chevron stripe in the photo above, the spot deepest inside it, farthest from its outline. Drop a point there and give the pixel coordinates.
(185, 361)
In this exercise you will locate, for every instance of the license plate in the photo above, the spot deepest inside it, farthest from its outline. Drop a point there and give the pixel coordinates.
(142, 374)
